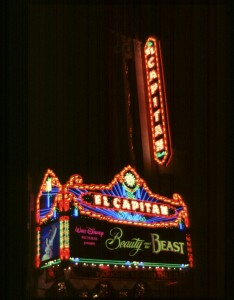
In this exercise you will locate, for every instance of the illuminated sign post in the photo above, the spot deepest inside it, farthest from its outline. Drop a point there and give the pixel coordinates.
(159, 121)
(116, 224)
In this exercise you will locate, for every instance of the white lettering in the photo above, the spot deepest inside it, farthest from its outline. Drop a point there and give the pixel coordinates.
(97, 199)
(164, 210)
(105, 201)
(151, 62)
(155, 209)
(135, 205)
(155, 101)
(129, 204)
(116, 203)
(159, 145)
(149, 50)
(156, 115)
(158, 130)
(152, 75)
(148, 207)
(153, 88)
(126, 204)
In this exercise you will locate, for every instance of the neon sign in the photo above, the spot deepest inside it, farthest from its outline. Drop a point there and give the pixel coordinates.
(126, 204)
(120, 220)
(116, 242)
(128, 200)
(161, 245)
(129, 243)
(159, 121)
(136, 244)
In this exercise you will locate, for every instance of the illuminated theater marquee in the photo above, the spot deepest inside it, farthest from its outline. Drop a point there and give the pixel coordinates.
(125, 204)
(117, 223)
(159, 121)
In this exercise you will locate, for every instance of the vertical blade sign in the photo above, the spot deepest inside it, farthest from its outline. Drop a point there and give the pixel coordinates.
(159, 121)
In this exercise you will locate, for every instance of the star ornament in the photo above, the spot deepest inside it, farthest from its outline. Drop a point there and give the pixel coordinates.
(130, 179)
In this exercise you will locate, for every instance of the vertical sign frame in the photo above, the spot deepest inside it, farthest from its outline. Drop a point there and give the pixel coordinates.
(159, 121)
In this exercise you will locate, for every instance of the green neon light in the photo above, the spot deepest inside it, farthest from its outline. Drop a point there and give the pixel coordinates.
(99, 261)
(49, 184)
(159, 154)
(117, 262)
(150, 43)
(123, 262)
(51, 263)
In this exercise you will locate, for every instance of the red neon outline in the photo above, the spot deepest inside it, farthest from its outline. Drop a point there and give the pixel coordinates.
(189, 250)
(64, 250)
(127, 210)
(76, 181)
(166, 109)
(163, 103)
(57, 199)
(176, 199)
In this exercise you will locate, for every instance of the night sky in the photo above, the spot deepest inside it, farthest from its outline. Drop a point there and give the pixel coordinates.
(66, 112)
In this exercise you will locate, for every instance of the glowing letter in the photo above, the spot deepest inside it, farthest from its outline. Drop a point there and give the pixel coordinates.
(126, 204)
(152, 75)
(135, 205)
(153, 88)
(155, 243)
(164, 209)
(155, 209)
(155, 101)
(97, 199)
(148, 207)
(159, 145)
(151, 62)
(163, 245)
(156, 115)
(142, 208)
(181, 248)
(105, 201)
(158, 130)
(149, 50)
(169, 246)
(114, 243)
(116, 202)
(178, 247)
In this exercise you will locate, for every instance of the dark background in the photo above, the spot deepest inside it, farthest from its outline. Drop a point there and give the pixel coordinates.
(64, 110)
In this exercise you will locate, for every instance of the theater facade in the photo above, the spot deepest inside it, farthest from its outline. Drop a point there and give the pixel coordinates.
(114, 237)
(118, 238)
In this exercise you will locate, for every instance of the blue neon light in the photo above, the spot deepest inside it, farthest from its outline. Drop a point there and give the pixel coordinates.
(138, 194)
(75, 214)
(44, 212)
(131, 217)
(78, 192)
(48, 199)
(123, 191)
(119, 191)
